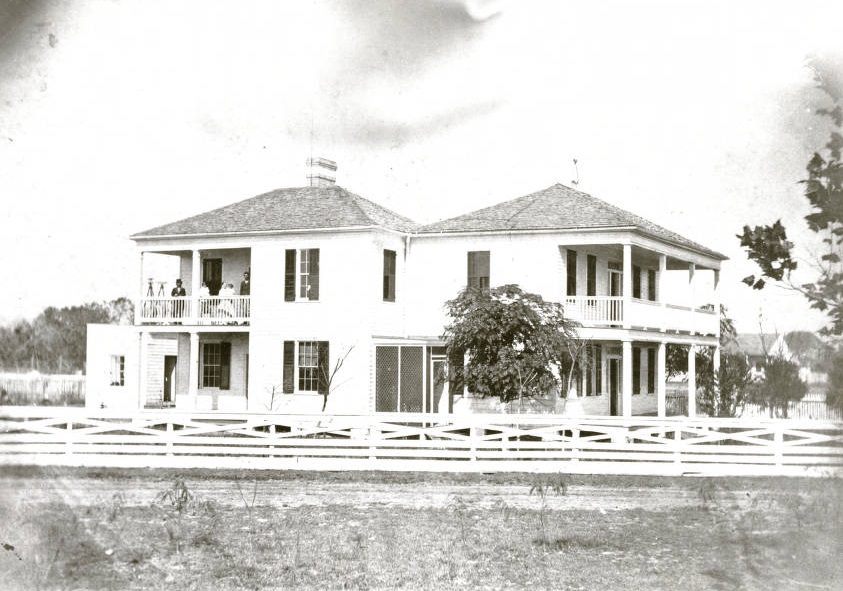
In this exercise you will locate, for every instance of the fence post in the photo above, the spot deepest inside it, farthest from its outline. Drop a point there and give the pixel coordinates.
(677, 453)
(778, 443)
(169, 438)
(575, 448)
(69, 448)
(272, 438)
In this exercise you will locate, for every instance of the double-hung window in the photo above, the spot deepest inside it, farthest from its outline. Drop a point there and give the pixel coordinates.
(305, 367)
(478, 270)
(389, 275)
(301, 274)
(216, 365)
(117, 370)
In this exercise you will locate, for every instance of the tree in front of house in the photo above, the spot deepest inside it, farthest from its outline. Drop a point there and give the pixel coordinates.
(780, 386)
(515, 342)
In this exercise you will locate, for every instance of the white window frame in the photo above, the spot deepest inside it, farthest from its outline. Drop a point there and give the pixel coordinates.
(298, 376)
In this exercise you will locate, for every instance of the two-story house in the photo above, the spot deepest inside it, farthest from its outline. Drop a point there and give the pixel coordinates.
(336, 279)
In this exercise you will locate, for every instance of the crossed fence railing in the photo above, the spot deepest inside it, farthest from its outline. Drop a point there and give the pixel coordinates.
(421, 442)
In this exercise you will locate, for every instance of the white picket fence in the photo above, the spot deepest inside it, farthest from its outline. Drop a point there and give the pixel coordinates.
(420, 442)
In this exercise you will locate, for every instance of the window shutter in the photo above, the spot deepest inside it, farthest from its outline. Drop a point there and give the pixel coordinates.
(591, 276)
(651, 285)
(225, 366)
(313, 274)
(290, 275)
(289, 366)
(323, 368)
(636, 282)
(571, 273)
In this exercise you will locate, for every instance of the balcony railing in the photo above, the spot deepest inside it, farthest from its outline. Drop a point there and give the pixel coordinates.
(207, 310)
(595, 311)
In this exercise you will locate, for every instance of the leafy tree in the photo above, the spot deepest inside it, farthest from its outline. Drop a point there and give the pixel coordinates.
(834, 394)
(780, 386)
(768, 246)
(516, 342)
(724, 394)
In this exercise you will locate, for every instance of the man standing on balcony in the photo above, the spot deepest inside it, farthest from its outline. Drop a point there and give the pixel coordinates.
(178, 292)
(245, 286)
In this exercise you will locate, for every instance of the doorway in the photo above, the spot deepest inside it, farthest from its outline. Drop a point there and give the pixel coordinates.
(212, 275)
(170, 362)
(438, 383)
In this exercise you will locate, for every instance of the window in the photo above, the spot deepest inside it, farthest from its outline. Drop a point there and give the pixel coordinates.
(478, 269)
(636, 282)
(305, 366)
(591, 277)
(389, 275)
(216, 365)
(615, 279)
(301, 274)
(571, 273)
(118, 366)
(651, 285)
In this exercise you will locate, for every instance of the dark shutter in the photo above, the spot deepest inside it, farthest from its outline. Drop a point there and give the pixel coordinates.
(591, 277)
(636, 282)
(598, 362)
(323, 369)
(389, 275)
(289, 366)
(290, 275)
(225, 366)
(651, 285)
(651, 370)
(636, 370)
(571, 288)
(313, 274)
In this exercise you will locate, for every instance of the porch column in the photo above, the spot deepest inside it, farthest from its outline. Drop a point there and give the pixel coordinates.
(692, 381)
(143, 361)
(661, 379)
(716, 297)
(195, 283)
(660, 290)
(626, 378)
(193, 374)
(140, 293)
(627, 284)
(692, 271)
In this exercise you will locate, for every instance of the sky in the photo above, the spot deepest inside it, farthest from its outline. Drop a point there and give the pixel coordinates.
(116, 117)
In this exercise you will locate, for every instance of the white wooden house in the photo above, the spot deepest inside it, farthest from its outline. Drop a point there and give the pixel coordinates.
(335, 276)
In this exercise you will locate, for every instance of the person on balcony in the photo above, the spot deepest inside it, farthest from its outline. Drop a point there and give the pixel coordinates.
(245, 286)
(178, 292)
(226, 308)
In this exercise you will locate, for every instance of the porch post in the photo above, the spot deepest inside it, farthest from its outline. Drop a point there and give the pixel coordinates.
(626, 378)
(195, 283)
(660, 291)
(140, 293)
(716, 297)
(692, 381)
(627, 284)
(193, 374)
(143, 361)
(661, 379)
(692, 268)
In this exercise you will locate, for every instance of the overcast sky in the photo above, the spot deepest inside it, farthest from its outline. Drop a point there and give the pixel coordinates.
(119, 116)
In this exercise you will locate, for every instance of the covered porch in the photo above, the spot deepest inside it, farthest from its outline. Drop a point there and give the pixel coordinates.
(216, 284)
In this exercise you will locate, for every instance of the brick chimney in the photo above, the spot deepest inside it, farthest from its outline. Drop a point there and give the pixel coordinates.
(321, 172)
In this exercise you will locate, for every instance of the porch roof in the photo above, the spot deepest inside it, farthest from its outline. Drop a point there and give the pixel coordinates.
(297, 208)
(559, 208)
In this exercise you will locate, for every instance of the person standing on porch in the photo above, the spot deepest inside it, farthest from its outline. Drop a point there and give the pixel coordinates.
(178, 292)
(245, 286)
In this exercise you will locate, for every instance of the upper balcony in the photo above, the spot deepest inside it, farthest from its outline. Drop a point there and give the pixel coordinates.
(203, 310)
(614, 312)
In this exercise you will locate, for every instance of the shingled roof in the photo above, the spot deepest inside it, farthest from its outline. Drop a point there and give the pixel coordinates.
(299, 208)
(558, 208)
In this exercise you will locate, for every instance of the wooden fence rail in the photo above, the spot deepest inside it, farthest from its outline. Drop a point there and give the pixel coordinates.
(423, 442)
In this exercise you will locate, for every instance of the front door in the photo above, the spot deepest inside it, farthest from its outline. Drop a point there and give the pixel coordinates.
(169, 380)
(614, 386)
(212, 275)
(439, 398)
